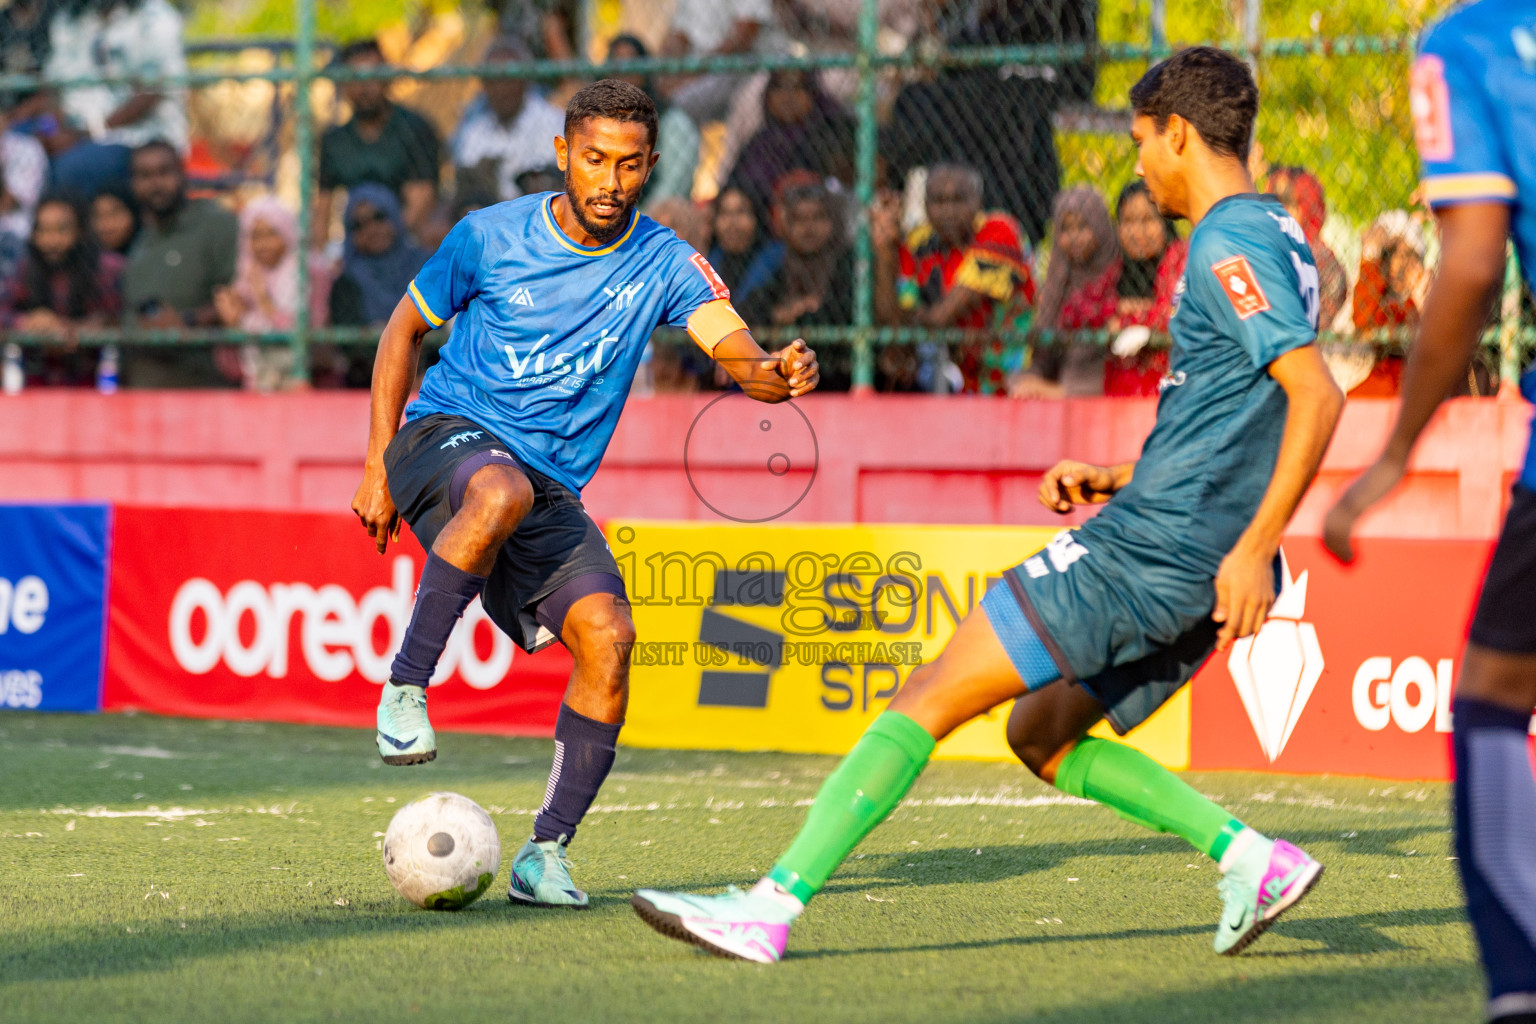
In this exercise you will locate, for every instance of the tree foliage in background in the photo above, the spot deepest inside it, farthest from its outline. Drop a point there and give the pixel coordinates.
(1345, 117)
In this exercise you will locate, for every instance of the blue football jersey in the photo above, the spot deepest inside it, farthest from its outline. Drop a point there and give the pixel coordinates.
(549, 333)
(1473, 95)
(1248, 296)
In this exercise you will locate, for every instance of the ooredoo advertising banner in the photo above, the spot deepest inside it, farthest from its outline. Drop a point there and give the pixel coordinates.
(53, 578)
(295, 617)
(1354, 670)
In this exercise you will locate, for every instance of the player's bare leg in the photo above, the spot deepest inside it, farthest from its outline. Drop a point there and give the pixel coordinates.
(599, 633)
(1496, 821)
(496, 498)
(1048, 731)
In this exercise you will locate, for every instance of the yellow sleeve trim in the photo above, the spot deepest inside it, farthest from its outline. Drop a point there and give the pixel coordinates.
(1443, 188)
(423, 308)
(712, 323)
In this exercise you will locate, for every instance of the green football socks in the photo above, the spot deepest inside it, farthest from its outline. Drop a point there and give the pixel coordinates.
(1139, 789)
(856, 797)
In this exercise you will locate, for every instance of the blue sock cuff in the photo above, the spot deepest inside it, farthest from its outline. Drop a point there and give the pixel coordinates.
(1469, 713)
(440, 574)
(574, 726)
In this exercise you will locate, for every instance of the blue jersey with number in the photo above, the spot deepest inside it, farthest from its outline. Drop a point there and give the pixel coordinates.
(1474, 113)
(549, 333)
(1248, 296)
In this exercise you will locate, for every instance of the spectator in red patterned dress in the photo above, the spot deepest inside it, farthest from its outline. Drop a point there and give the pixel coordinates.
(65, 282)
(1080, 294)
(964, 268)
(1152, 261)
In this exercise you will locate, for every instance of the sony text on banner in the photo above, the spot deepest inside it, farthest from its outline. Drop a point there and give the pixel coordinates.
(295, 617)
(794, 638)
(1353, 672)
(53, 586)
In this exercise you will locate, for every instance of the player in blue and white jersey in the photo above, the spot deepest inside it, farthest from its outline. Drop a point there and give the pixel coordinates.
(554, 298)
(1112, 618)
(1473, 93)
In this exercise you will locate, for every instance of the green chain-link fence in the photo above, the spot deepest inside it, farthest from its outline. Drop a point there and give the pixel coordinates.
(805, 144)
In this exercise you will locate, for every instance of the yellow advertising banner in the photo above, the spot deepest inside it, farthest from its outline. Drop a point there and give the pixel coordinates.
(793, 638)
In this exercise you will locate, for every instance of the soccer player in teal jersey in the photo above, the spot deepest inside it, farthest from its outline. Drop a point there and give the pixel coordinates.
(1110, 619)
(555, 298)
(1474, 105)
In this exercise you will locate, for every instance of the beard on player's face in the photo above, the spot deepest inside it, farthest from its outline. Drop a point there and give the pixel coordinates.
(602, 229)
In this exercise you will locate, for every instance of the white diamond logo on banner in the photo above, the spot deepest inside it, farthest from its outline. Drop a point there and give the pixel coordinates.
(1277, 668)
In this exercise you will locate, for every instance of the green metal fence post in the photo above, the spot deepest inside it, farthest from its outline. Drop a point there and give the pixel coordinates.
(1509, 323)
(864, 193)
(303, 58)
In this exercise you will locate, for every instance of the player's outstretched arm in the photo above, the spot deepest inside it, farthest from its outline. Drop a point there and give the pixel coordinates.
(1471, 268)
(768, 376)
(1245, 583)
(1069, 484)
(394, 371)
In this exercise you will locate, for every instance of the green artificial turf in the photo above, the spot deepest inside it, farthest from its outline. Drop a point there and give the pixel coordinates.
(167, 870)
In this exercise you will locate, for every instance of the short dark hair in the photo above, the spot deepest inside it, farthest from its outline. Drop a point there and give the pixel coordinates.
(359, 48)
(1209, 88)
(612, 100)
(154, 144)
(970, 175)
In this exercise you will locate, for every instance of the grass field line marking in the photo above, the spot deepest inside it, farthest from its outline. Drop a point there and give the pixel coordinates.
(957, 800)
(170, 813)
(155, 752)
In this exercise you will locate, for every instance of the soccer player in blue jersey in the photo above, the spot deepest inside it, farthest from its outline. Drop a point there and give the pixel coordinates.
(1110, 619)
(555, 297)
(1474, 105)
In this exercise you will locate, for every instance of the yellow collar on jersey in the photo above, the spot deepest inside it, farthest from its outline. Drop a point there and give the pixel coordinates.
(570, 246)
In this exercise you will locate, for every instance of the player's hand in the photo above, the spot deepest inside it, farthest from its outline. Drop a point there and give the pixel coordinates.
(1068, 484)
(796, 363)
(1245, 590)
(1367, 490)
(376, 508)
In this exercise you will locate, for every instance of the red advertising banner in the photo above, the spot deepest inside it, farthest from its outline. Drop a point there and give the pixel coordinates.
(295, 617)
(1354, 670)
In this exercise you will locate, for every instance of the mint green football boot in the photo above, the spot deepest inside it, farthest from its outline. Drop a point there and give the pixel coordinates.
(541, 876)
(1269, 878)
(405, 735)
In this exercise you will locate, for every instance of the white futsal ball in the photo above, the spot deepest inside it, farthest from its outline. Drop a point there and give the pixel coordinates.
(442, 852)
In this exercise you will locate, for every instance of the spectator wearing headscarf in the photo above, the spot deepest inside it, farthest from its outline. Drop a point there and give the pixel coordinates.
(264, 295)
(814, 285)
(378, 259)
(65, 282)
(744, 254)
(23, 175)
(1302, 195)
(115, 219)
(804, 130)
(1080, 294)
(1151, 263)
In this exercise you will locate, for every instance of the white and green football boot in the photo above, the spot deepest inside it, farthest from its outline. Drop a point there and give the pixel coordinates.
(739, 925)
(405, 735)
(1267, 879)
(541, 876)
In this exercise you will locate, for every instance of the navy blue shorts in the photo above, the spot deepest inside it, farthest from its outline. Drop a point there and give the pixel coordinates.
(1132, 632)
(428, 466)
(1506, 610)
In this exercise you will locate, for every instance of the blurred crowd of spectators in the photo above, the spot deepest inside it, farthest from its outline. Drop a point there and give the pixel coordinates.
(971, 229)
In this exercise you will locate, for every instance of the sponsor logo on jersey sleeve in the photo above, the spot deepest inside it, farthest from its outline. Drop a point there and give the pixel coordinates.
(1429, 100)
(716, 285)
(1241, 285)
